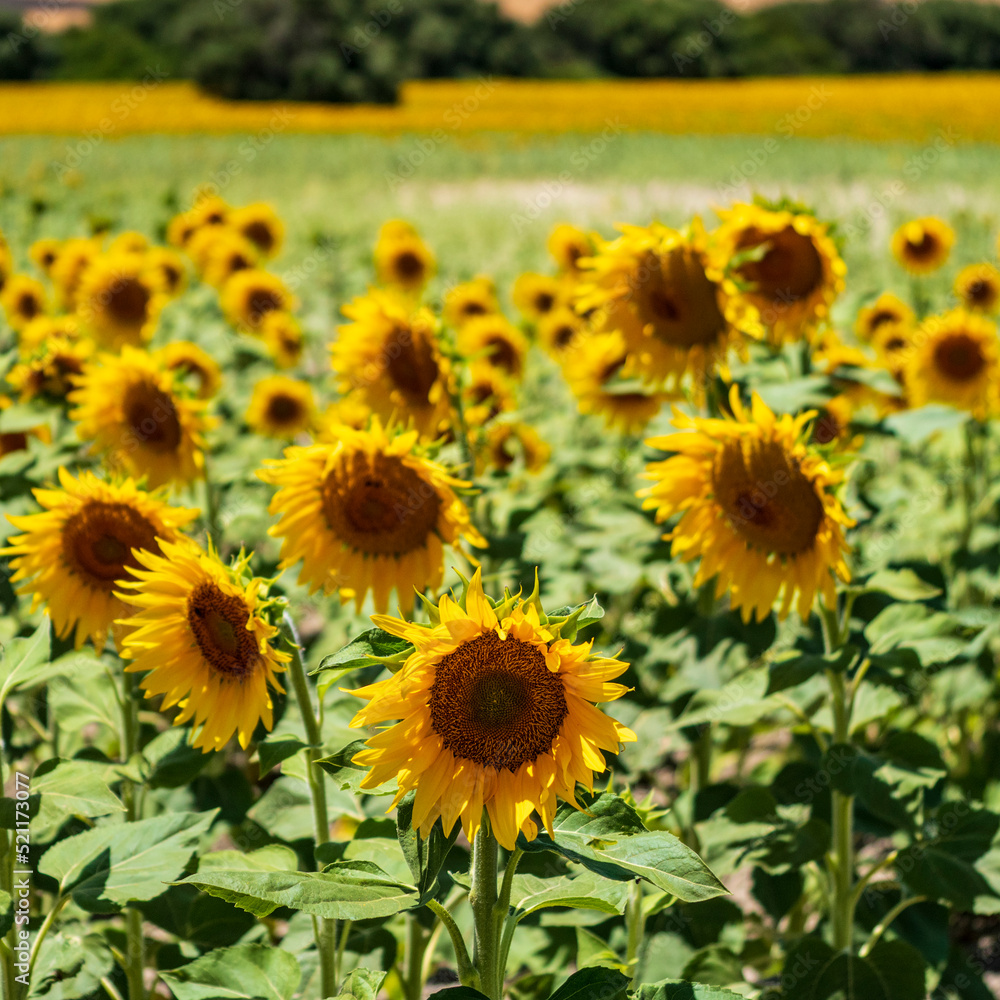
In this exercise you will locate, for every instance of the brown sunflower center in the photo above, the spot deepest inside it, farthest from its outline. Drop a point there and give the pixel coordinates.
(219, 624)
(97, 542)
(472, 308)
(880, 318)
(13, 441)
(980, 291)
(496, 703)
(676, 299)
(261, 301)
(410, 364)
(959, 357)
(409, 266)
(379, 506)
(151, 414)
(172, 275)
(284, 409)
(128, 301)
(502, 354)
(926, 246)
(259, 233)
(563, 335)
(767, 499)
(544, 301)
(28, 306)
(239, 261)
(894, 344)
(790, 270)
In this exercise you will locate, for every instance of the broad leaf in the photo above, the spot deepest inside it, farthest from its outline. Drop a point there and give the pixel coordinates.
(71, 788)
(275, 749)
(26, 661)
(243, 972)
(458, 993)
(361, 984)
(593, 983)
(425, 856)
(679, 989)
(902, 584)
(586, 891)
(797, 670)
(373, 646)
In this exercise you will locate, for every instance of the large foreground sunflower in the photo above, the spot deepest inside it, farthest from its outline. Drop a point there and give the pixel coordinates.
(130, 408)
(677, 313)
(496, 711)
(200, 634)
(923, 245)
(789, 265)
(758, 507)
(955, 359)
(366, 511)
(390, 358)
(72, 554)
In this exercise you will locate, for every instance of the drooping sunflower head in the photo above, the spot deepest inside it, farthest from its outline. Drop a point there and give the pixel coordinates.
(678, 314)
(36, 334)
(757, 507)
(487, 393)
(200, 632)
(470, 300)
(134, 410)
(536, 295)
(22, 299)
(119, 301)
(507, 441)
(219, 253)
(560, 330)
(75, 257)
(977, 287)
(390, 357)
(496, 341)
(495, 710)
(73, 553)
(955, 359)
(598, 371)
(786, 262)
(923, 245)
(52, 371)
(249, 295)
(168, 269)
(259, 223)
(44, 254)
(402, 259)
(189, 362)
(886, 310)
(281, 407)
(283, 336)
(568, 245)
(366, 511)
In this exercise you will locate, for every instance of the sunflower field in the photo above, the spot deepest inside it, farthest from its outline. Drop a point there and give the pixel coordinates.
(544, 605)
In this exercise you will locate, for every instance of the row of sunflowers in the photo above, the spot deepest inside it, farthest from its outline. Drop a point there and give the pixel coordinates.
(114, 431)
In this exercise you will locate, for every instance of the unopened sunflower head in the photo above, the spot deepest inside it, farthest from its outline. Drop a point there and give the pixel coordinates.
(72, 555)
(757, 507)
(203, 634)
(494, 710)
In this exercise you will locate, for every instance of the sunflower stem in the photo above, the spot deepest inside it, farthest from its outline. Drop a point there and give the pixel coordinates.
(636, 923)
(483, 900)
(466, 970)
(416, 942)
(135, 958)
(326, 928)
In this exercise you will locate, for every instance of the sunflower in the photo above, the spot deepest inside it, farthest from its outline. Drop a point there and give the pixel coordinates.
(51, 373)
(487, 393)
(469, 300)
(42, 329)
(367, 511)
(209, 210)
(259, 223)
(568, 245)
(200, 634)
(119, 301)
(592, 368)
(505, 441)
(923, 245)
(977, 287)
(168, 267)
(281, 407)
(496, 711)
(17, 440)
(789, 265)
(249, 295)
(22, 299)
(85, 540)
(189, 360)
(390, 357)
(497, 341)
(180, 229)
(282, 334)
(886, 310)
(129, 242)
(829, 353)
(402, 259)
(679, 315)
(955, 359)
(536, 295)
(44, 254)
(559, 330)
(131, 409)
(757, 504)
(347, 412)
(892, 347)
(219, 253)
(75, 257)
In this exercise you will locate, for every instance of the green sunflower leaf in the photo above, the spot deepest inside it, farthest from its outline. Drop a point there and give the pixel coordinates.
(243, 972)
(374, 646)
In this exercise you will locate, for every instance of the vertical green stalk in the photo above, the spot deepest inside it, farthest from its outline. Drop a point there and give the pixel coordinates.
(416, 943)
(636, 923)
(135, 957)
(325, 928)
(483, 900)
